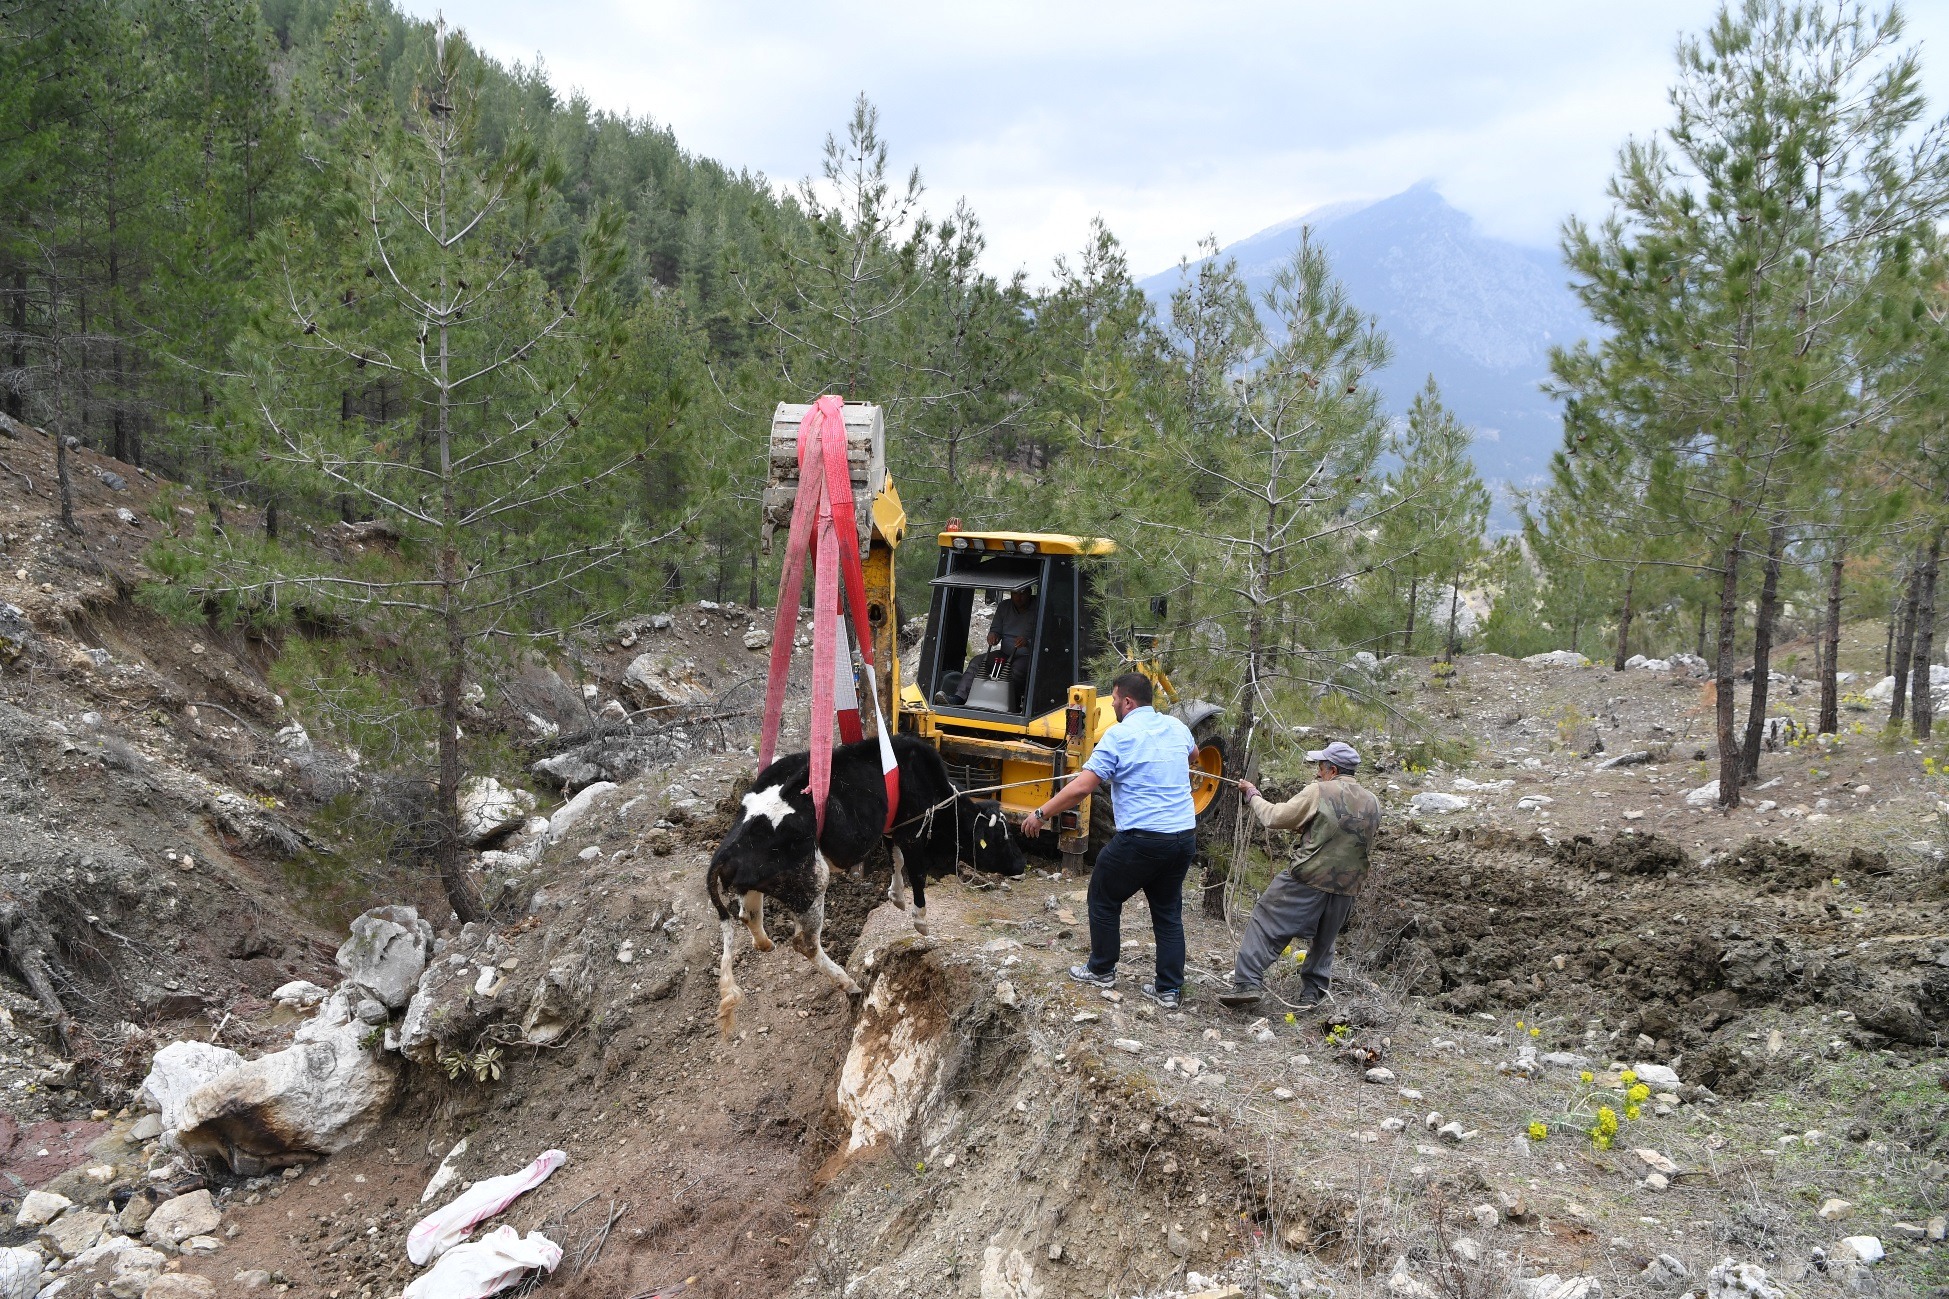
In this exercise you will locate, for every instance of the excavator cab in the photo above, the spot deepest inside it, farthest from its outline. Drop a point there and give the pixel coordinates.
(977, 591)
(1018, 723)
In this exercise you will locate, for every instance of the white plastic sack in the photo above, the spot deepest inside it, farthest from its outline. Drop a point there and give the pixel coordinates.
(486, 1266)
(442, 1229)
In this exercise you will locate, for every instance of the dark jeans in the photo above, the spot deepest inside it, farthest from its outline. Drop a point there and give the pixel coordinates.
(1154, 864)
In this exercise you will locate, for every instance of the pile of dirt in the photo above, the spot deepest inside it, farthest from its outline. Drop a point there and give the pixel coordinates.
(1631, 932)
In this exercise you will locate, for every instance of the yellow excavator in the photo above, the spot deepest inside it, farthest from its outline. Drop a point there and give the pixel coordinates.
(1021, 720)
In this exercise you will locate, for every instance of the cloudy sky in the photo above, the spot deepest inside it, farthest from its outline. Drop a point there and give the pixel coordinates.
(1171, 121)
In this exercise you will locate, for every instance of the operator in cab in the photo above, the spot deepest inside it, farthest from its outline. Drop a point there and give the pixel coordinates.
(1145, 761)
(1011, 641)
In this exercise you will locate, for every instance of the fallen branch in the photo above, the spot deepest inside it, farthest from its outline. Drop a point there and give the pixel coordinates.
(25, 941)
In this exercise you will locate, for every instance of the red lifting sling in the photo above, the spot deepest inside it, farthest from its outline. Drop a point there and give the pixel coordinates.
(823, 526)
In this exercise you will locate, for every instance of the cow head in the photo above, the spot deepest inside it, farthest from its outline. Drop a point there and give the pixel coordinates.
(987, 843)
(773, 832)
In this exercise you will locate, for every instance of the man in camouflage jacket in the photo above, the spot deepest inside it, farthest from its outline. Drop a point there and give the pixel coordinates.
(1307, 903)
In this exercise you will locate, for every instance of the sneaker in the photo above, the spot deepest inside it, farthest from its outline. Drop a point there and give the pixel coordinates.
(1084, 974)
(1240, 998)
(1168, 1000)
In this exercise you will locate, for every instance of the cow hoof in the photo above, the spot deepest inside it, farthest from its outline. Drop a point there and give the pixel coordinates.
(920, 927)
(761, 942)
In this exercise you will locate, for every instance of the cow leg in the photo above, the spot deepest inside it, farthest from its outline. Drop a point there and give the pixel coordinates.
(728, 995)
(897, 886)
(752, 908)
(812, 924)
(920, 901)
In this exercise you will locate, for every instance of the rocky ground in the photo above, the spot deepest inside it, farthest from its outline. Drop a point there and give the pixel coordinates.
(250, 1097)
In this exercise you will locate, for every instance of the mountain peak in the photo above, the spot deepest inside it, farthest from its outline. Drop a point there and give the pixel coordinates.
(1478, 313)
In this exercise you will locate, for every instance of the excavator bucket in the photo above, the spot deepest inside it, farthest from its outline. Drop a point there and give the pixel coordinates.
(866, 463)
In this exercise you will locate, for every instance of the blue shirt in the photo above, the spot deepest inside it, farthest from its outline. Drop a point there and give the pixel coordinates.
(1145, 759)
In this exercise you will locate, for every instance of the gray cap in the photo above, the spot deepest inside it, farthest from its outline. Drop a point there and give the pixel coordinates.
(1339, 753)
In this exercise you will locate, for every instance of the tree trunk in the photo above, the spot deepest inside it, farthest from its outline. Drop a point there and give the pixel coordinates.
(61, 445)
(1624, 622)
(1414, 597)
(16, 399)
(1905, 643)
(1767, 615)
(270, 519)
(452, 850)
(1830, 678)
(1700, 651)
(1921, 708)
(1454, 603)
(1724, 672)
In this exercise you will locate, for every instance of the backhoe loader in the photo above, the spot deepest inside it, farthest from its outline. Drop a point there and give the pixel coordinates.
(994, 728)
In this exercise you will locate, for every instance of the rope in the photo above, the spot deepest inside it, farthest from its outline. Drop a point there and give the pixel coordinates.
(927, 813)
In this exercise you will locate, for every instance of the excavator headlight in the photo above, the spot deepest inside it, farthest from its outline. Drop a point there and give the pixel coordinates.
(960, 543)
(1025, 547)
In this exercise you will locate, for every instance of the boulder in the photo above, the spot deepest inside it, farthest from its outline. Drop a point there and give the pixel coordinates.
(176, 1071)
(175, 1221)
(134, 1215)
(299, 994)
(575, 809)
(1706, 795)
(1558, 659)
(386, 953)
(38, 1208)
(1730, 1279)
(315, 1097)
(180, 1285)
(1435, 803)
(1552, 1286)
(135, 1268)
(1863, 1249)
(16, 634)
(73, 1232)
(1658, 1077)
(489, 809)
(560, 1000)
(20, 1273)
(653, 681)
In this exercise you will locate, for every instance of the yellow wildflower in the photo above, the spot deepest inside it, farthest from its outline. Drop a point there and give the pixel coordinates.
(1536, 1032)
(1538, 1130)
(1631, 1113)
(1628, 1077)
(1638, 1094)
(1587, 1077)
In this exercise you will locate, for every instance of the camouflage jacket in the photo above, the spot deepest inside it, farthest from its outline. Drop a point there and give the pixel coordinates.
(1337, 821)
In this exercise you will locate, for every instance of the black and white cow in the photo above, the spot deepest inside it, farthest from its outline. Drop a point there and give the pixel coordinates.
(771, 853)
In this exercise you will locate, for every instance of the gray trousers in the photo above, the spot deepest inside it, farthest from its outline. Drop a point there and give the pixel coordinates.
(1291, 912)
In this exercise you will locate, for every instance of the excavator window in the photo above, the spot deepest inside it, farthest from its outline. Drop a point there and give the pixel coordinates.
(1055, 657)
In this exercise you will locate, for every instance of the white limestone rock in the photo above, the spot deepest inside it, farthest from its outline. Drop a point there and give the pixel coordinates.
(386, 953)
(488, 808)
(176, 1071)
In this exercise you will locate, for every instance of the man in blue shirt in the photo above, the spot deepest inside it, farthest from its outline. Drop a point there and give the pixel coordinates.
(1145, 760)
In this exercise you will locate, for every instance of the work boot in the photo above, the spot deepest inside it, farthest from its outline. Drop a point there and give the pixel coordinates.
(1084, 974)
(1240, 998)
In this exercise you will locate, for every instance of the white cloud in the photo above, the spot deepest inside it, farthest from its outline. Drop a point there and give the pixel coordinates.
(1170, 120)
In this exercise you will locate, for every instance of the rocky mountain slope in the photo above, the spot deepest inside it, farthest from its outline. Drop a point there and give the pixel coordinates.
(1479, 314)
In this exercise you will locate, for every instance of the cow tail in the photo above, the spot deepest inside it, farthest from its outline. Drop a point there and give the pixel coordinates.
(729, 996)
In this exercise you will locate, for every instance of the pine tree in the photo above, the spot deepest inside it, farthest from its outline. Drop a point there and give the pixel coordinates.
(415, 362)
(1741, 247)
